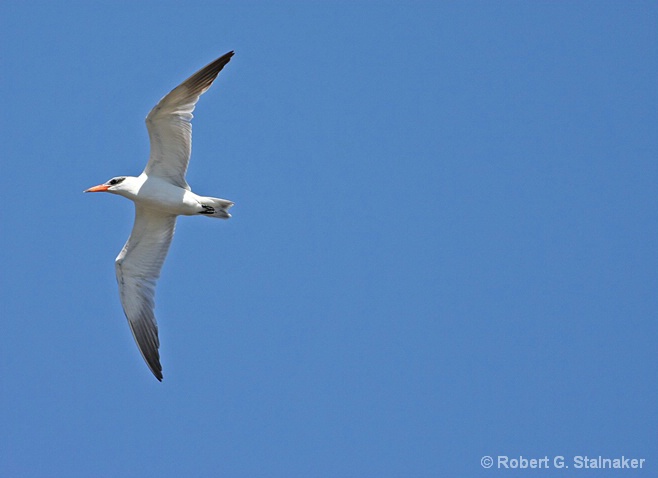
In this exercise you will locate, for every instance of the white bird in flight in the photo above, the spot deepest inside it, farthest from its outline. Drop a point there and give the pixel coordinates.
(160, 194)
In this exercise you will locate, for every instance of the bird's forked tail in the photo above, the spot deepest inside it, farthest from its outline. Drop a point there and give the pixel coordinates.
(215, 207)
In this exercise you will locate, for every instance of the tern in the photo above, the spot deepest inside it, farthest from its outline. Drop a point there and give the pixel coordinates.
(160, 194)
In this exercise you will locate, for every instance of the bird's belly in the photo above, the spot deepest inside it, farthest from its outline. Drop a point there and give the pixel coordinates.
(165, 197)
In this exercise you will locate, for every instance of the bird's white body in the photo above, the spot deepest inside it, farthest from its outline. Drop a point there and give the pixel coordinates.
(160, 194)
(155, 193)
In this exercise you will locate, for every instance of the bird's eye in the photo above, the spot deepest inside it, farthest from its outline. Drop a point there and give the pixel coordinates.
(115, 181)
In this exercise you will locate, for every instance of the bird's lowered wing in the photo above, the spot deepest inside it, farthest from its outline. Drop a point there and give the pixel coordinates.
(170, 128)
(138, 268)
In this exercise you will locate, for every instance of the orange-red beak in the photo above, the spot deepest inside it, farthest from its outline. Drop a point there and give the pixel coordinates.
(97, 189)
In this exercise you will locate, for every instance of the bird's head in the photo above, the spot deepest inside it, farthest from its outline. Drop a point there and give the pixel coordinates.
(114, 185)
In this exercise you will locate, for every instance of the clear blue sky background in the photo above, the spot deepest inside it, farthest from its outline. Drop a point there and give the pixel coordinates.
(444, 244)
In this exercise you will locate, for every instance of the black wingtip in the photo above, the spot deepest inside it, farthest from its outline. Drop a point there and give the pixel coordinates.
(202, 79)
(155, 367)
(157, 373)
(222, 60)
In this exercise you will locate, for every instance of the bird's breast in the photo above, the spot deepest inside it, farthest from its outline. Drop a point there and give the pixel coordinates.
(161, 195)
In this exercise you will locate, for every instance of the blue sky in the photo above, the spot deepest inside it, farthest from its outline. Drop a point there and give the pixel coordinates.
(444, 244)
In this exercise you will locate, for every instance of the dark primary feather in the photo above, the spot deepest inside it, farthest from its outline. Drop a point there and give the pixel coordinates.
(202, 79)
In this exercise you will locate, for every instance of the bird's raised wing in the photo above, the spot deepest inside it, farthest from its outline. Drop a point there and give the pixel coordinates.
(170, 128)
(138, 268)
